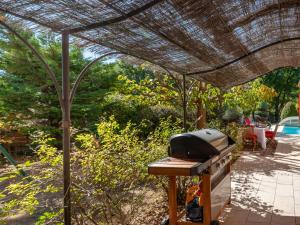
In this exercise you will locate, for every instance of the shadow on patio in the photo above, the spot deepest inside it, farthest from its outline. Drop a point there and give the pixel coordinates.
(266, 189)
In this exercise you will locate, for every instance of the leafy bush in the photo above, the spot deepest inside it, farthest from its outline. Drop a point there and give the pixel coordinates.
(263, 106)
(231, 115)
(41, 190)
(137, 112)
(262, 113)
(233, 130)
(109, 176)
(289, 110)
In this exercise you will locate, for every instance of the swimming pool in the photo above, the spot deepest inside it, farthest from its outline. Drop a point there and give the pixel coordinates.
(291, 130)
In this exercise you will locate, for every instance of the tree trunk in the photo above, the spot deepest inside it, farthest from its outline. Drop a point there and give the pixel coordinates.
(201, 111)
(201, 115)
(277, 110)
(220, 100)
(253, 116)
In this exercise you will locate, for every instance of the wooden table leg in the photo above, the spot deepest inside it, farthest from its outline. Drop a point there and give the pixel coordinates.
(229, 171)
(207, 198)
(172, 201)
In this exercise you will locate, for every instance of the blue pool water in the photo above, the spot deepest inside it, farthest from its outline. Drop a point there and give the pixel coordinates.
(291, 130)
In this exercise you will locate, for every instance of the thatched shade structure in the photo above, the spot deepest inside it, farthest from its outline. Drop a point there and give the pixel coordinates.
(221, 42)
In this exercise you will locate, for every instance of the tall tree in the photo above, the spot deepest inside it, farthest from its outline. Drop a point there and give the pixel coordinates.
(27, 95)
(284, 81)
(247, 97)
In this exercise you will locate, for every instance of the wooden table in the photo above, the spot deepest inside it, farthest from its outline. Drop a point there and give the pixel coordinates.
(173, 167)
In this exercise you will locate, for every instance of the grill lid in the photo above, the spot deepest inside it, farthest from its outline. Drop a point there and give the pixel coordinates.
(201, 144)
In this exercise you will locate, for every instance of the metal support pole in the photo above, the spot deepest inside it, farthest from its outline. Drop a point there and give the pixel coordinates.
(184, 103)
(66, 123)
(83, 73)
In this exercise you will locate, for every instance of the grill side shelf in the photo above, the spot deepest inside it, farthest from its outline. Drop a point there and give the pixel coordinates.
(178, 167)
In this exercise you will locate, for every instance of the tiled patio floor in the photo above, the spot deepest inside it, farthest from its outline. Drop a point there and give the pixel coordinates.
(266, 189)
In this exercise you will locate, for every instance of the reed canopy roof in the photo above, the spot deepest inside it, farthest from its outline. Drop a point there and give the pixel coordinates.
(222, 42)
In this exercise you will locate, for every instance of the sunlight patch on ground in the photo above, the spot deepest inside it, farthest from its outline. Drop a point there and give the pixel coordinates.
(266, 189)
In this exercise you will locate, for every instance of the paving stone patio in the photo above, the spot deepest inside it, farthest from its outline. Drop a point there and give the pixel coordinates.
(266, 189)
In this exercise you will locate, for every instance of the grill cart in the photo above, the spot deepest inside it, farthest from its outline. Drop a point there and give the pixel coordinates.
(205, 153)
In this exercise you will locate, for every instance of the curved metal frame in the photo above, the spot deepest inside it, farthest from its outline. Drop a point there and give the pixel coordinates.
(86, 68)
(83, 72)
(182, 89)
(66, 97)
(243, 57)
(39, 57)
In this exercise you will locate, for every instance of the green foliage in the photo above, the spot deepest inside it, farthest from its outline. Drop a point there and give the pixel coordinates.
(137, 112)
(288, 110)
(49, 216)
(144, 102)
(109, 175)
(109, 164)
(27, 95)
(209, 97)
(28, 99)
(113, 169)
(216, 124)
(231, 115)
(262, 113)
(230, 104)
(136, 73)
(148, 91)
(233, 130)
(31, 194)
(284, 81)
(247, 96)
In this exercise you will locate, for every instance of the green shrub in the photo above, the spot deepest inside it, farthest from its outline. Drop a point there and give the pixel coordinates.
(263, 106)
(262, 113)
(132, 110)
(36, 194)
(231, 115)
(113, 168)
(288, 110)
(109, 176)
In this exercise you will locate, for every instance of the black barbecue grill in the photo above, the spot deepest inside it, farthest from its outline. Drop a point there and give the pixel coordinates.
(205, 153)
(202, 144)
